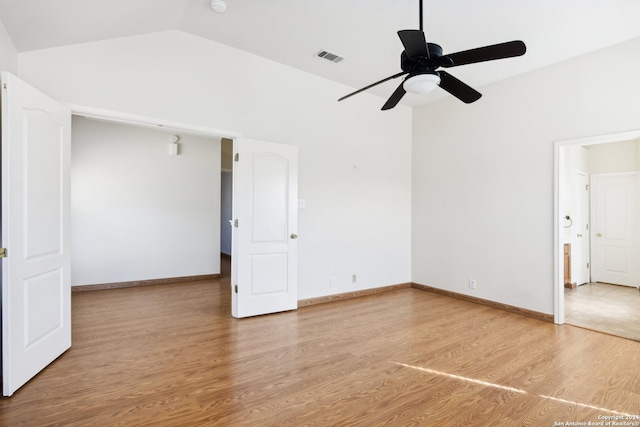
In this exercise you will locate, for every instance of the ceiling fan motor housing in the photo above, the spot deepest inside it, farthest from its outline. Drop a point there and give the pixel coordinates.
(435, 51)
(422, 63)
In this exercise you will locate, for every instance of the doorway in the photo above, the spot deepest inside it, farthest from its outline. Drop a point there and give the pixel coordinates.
(145, 204)
(226, 197)
(49, 135)
(613, 153)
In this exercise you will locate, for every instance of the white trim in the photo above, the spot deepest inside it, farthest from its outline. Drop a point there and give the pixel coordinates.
(154, 122)
(600, 139)
(558, 272)
(558, 195)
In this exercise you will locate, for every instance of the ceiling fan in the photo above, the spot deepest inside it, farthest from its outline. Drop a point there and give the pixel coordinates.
(420, 62)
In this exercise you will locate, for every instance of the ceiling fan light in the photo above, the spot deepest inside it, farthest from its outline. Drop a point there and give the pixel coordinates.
(421, 84)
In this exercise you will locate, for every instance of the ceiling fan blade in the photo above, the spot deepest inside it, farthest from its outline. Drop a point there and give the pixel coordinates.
(486, 53)
(457, 88)
(414, 43)
(395, 97)
(374, 84)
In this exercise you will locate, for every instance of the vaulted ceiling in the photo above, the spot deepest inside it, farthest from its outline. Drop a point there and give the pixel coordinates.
(362, 31)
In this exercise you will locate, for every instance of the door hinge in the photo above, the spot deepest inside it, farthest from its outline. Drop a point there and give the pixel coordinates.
(235, 223)
(235, 288)
(586, 187)
(3, 252)
(587, 265)
(4, 85)
(236, 157)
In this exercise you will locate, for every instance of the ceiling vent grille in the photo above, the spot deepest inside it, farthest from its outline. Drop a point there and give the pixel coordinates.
(329, 56)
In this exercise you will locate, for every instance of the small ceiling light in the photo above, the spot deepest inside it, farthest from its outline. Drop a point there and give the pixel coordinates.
(421, 84)
(218, 6)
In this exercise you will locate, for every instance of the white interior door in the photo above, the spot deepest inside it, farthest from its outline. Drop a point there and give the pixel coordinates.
(615, 228)
(265, 211)
(580, 238)
(36, 287)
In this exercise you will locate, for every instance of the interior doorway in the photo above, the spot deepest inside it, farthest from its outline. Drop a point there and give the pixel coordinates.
(607, 154)
(144, 204)
(226, 197)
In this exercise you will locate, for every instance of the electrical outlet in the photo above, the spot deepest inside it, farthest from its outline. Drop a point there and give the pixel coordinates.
(354, 278)
(332, 281)
(472, 283)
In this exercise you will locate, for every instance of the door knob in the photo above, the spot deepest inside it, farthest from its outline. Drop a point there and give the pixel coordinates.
(294, 236)
(579, 235)
(599, 234)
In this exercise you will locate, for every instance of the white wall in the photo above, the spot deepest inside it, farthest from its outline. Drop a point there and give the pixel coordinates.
(8, 53)
(483, 173)
(354, 222)
(138, 213)
(623, 156)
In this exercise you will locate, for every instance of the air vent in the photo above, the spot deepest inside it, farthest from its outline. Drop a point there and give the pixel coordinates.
(329, 56)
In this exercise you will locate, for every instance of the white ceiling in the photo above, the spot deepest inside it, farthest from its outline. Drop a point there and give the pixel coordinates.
(363, 31)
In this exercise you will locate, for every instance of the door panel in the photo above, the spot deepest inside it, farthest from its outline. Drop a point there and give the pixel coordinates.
(580, 237)
(270, 178)
(265, 194)
(615, 228)
(269, 273)
(36, 286)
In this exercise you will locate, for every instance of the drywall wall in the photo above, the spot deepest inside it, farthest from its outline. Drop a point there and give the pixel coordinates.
(483, 173)
(357, 220)
(8, 53)
(138, 213)
(620, 156)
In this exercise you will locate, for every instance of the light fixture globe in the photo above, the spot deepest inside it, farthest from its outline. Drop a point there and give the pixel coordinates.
(421, 84)
(219, 6)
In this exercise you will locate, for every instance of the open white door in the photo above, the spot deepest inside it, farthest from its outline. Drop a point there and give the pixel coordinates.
(615, 228)
(36, 287)
(580, 230)
(265, 211)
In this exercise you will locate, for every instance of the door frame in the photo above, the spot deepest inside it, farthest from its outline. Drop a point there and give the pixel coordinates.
(558, 199)
(118, 117)
(148, 121)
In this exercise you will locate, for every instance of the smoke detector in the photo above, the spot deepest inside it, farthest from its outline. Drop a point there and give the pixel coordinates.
(218, 6)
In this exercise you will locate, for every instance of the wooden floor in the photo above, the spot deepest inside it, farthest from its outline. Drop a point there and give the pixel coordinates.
(171, 355)
(602, 307)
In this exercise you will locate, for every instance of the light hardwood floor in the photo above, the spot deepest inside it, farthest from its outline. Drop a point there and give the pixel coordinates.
(607, 308)
(171, 355)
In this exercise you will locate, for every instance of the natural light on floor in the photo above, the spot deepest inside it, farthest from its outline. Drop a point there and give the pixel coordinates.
(510, 389)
